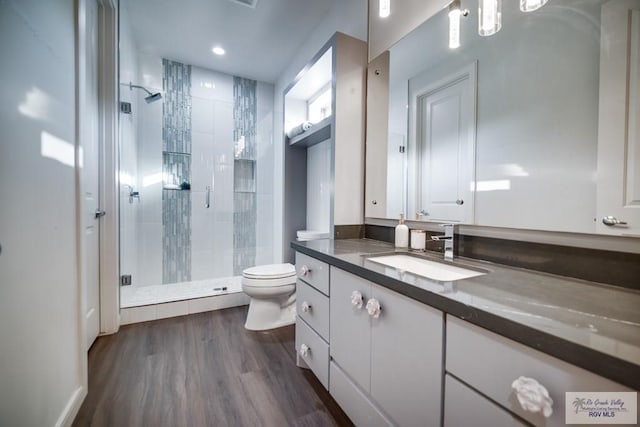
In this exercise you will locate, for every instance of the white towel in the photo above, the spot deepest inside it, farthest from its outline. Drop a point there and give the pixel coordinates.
(301, 128)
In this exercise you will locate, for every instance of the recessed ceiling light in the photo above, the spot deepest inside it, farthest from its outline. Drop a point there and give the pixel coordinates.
(218, 50)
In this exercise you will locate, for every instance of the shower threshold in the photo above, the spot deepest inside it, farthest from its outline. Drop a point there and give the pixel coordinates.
(143, 303)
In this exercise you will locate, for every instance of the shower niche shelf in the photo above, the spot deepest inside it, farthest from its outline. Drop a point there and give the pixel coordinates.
(319, 132)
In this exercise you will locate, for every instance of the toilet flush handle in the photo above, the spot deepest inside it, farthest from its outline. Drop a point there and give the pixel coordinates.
(304, 271)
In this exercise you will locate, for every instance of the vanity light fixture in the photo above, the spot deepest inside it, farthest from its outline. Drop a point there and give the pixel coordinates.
(531, 5)
(218, 50)
(489, 17)
(385, 8)
(454, 23)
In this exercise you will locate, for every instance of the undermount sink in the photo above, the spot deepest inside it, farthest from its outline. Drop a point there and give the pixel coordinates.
(426, 268)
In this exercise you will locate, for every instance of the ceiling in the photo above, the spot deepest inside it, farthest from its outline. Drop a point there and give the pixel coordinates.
(259, 42)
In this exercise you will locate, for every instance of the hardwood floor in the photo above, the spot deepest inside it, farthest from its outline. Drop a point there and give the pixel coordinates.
(202, 370)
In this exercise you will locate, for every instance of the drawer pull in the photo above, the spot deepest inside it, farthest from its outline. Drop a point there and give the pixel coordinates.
(304, 350)
(356, 299)
(533, 396)
(306, 307)
(304, 271)
(373, 308)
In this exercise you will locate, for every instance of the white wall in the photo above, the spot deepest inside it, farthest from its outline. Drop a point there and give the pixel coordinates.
(40, 361)
(405, 16)
(349, 17)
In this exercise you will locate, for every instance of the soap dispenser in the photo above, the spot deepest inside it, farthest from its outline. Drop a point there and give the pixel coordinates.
(402, 234)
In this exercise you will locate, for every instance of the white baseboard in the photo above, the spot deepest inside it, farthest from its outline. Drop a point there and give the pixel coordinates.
(71, 409)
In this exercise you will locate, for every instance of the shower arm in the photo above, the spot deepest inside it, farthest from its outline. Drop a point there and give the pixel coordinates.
(131, 86)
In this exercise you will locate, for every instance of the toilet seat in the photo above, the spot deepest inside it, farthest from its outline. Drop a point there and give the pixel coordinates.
(268, 283)
(271, 275)
(270, 271)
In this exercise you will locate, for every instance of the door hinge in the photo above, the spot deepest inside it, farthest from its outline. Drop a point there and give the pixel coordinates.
(125, 280)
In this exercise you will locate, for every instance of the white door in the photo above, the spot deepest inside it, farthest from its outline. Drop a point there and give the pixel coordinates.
(445, 136)
(618, 189)
(89, 166)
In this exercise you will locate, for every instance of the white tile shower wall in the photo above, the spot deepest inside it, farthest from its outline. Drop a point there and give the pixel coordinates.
(149, 139)
(212, 165)
(129, 212)
(265, 151)
(319, 186)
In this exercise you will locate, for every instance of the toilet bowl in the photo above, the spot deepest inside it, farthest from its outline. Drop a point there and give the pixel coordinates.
(272, 289)
(306, 235)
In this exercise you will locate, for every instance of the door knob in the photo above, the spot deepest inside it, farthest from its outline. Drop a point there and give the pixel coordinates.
(459, 202)
(612, 220)
(99, 213)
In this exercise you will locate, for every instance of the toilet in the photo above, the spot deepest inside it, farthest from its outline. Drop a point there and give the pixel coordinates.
(306, 235)
(272, 289)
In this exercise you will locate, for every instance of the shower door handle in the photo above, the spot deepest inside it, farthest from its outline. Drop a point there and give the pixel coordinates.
(207, 201)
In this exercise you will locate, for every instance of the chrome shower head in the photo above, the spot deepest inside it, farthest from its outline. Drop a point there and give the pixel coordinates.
(153, 97)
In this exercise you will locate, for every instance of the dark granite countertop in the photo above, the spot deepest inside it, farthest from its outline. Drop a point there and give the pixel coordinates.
(591, 325)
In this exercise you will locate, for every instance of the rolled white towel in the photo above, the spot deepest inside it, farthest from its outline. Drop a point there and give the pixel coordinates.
(301, 128)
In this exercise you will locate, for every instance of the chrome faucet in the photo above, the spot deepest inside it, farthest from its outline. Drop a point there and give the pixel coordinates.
(447, 237)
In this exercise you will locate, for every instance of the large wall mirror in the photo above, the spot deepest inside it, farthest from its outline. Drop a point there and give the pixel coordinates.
(534, 127)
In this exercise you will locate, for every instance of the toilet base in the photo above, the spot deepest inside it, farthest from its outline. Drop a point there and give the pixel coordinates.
(265, 314)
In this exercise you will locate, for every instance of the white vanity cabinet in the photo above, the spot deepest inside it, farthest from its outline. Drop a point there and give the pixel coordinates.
(312, 320)
(490, 363)
(395, 359)
(465, 407)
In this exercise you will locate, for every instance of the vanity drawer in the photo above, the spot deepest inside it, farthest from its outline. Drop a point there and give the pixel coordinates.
(489, 363)
(353, 401)
(465, 407)
(313, 307)
(317, 355)
(312, 271)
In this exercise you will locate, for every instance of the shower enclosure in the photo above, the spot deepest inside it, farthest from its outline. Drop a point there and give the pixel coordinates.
(196, 165)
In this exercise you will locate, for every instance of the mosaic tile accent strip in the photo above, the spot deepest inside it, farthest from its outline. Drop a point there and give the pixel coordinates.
(244, 173)
(244, 118)
(176, 168)
(176, 236)
(176, 107)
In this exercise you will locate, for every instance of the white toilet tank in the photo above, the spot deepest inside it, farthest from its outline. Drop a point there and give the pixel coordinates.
(305, 235)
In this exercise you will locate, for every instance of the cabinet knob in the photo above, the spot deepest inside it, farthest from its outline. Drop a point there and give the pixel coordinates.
(304, 350)
(306, 307)
(356, 299)
(304, 271)
(374, 202)
(373, 308)
(533, 396)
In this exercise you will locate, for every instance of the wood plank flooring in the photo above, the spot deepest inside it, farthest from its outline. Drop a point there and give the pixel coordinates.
(202, 370)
